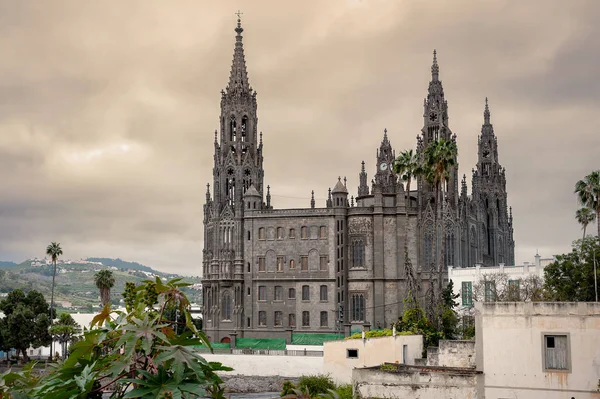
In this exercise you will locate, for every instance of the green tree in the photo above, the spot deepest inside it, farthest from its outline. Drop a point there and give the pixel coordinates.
(571, 276)
(104, 280)
(54, 251)
(584, 217)
(65, 331)
(449, 317)
(588, 193)
(408, 166)
(440, 158)
(25, 322)
(135, 353)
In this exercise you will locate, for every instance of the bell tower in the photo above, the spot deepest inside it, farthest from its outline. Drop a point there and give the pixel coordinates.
(385, 177)
(489, 193)
(238, 167)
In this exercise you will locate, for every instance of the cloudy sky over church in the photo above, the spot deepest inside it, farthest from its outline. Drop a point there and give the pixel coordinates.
(108, 110)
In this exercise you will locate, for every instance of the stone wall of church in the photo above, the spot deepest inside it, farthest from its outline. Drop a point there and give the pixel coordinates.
(286, 249)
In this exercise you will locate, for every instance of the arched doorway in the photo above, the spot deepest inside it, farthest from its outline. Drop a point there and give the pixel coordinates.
(225, 340)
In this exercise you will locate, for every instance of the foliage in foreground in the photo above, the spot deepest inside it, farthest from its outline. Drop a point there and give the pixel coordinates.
(316, 386)
(136, 354)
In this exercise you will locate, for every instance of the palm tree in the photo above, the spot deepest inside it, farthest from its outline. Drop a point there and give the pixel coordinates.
(54, 251)
(104, 280)
(584, 217)
(408, 167)
(440, 157)
(588, 193)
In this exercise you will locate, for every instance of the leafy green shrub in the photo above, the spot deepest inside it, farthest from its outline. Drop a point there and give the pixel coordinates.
(316, 384)
(287, 388)
(344, 391)
(388, 367)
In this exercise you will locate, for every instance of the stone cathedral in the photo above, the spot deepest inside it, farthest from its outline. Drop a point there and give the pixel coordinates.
(267, 271)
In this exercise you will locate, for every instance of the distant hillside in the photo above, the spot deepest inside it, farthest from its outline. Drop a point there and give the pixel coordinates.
(6, 264)
(122, 264)
(75, 288)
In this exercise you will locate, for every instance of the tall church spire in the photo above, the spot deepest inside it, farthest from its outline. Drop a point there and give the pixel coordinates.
(238, 79)
(486, 113)
(435, 69)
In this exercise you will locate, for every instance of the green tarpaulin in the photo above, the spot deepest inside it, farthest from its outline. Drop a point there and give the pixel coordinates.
(314, 339)
(256, 343)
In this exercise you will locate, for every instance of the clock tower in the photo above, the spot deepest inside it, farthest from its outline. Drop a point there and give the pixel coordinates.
(385, 177)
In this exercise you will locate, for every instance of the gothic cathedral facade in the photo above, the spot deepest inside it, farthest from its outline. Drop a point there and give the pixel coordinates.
(267, 271)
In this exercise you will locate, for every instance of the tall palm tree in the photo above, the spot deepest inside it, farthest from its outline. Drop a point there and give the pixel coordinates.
(104, 280)
(408, 166)
(54, 251)
(440, 157)
(584, 217)
(588, 193)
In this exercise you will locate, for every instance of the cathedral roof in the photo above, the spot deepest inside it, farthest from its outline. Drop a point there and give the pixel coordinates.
(252, 192)
(339, 187)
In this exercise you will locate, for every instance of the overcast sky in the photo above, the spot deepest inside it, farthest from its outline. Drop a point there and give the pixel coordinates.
(107, 110)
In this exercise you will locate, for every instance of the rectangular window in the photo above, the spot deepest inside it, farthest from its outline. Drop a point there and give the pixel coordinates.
(261, 264)
(467, 293)
(352, 353)
(278, 293)
(292, 320)
(292, 293)
(292, 233)
(556, 352)
(278, 320)
(280, 233)
(514, 290)
(323, 232)
(323, 293)
(262, 293)
(304, 263)
(262, 318)
(323, 263)
(490, 291)
(280, 263)
(305, 319)
(304, 232)
(324, 322)
(305, 293)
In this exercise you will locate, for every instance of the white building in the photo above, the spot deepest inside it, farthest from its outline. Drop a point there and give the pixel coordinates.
(539, 349)
(481, 283)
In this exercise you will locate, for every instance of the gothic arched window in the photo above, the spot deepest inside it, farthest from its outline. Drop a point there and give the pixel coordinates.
(232, 128)
(473, 246)
(226, 306)
(449, 250)
(357, 252)
(244, 128)
(357, 307)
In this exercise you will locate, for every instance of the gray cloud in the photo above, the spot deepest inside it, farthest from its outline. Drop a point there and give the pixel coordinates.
(107, 110)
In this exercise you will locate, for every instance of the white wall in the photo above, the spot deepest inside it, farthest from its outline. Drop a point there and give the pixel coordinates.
(475, 274)
(509, 349)
(264, 365)
(371, 352)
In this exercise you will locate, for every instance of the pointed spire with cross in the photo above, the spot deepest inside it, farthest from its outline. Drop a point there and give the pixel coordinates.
(435, 69)
(486, 113)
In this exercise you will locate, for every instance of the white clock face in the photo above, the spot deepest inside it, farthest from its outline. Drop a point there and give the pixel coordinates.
(383, 166)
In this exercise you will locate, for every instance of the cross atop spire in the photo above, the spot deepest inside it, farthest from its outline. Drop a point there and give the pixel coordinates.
(486, 113)
(238, 79)
(435, 69)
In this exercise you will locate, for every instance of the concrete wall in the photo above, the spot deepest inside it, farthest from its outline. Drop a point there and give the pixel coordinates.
(415, 382)
(258, 365)
(510, 346)
(371, 352)
(452, 354)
